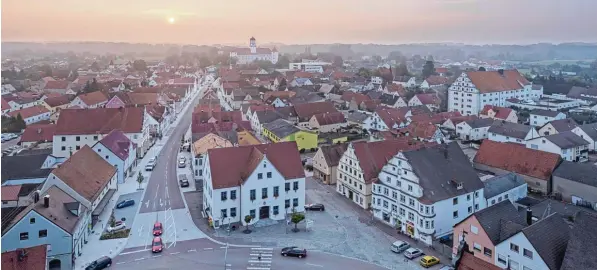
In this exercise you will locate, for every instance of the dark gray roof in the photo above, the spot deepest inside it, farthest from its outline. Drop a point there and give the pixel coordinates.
(585, 173)
(510, 129)
(547, 113)
(590, 129)
(267, 116)
(281, 128)
(358, 117)
(583, 241)
(389, 99)
(563, 124)
(287, 112)
(576, 91)
(501, 221)
(537, 86)
(24, 167)
(437, 167)
(500, 184)
(566, 140)
(550, 206)
(377, 95)
(549, 237)
(480, 122)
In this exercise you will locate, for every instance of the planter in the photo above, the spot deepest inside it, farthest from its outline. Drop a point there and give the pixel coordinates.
(247, 231)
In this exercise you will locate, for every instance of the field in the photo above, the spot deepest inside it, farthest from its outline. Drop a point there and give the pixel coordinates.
(586, 63)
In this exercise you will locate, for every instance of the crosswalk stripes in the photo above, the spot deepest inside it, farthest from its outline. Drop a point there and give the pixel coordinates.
(254, 263)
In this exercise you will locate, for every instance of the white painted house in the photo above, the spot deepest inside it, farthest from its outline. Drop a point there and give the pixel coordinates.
(32, 115)
(474, 130)
(566, 144)
(502, 131)
(264, 181)
(119, 151)
(589, 133)
(509, 186)
(253, 53)
(539, 117)
(425, 192)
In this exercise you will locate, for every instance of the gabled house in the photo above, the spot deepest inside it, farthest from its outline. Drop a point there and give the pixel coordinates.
(385, 118)
(300, 82)
(499, 113)
(27, 169)
(430, 100)
(325, 162)
(434, 81)
(508, 187)
(119, 151)
(393, 101)
(18, 103)
(327, 122)
(589, 133)
(557, 126)
(576, 183)
(262, 181)
(583, 236)
(304, 112)
(199, 152)
(32, 258)
(502, 131)
(474, 129)
(32, 115)
(61, 87)
(39, 133)
(95, 99)
(394, 89)
(566, 144)
(536, 167)
(282, 130)
(423, 131)
(540, 117)
(405, 81)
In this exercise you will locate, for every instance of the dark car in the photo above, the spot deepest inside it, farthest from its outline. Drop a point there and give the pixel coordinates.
(125, 203)
(101, 263)
(294, 252)
(315, 207)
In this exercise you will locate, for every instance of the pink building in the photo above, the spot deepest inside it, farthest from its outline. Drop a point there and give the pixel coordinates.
(483, 230)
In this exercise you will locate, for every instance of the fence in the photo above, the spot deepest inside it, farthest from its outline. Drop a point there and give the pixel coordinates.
(442, 249)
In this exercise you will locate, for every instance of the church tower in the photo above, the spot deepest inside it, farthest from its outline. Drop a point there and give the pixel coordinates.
(253, 45)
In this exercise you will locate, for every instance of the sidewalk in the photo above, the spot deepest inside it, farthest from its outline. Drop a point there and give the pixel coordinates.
(96, 248)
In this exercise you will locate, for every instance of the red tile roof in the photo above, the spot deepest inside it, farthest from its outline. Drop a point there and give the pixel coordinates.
(396, 88)
(117, 143)
(30, 111)
(77, 121)
(231, 166)
(5, 105)
(306, 110)
(517, 158)
(228, 116)
(423, 130)
(493, 81)
(35, 259)
(132, 98)
(184, 81)
(58, 101)
(330, 118)
(86, 173)
(391, 116)
(94, 98)
(62, 85)
(470, 262)
(428, 99)
(373, 156)
(349, 96)
(500, 112)
(10, 193)
(39, 133)
(435, 118)
(441, 70)
(437, 80)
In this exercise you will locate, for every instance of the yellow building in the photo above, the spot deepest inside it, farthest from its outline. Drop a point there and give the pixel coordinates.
(284, 131)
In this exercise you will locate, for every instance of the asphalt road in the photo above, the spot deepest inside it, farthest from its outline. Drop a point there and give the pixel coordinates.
(206, 255)
(163, 191)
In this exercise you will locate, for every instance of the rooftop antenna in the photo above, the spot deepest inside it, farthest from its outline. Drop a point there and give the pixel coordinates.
(547, 211)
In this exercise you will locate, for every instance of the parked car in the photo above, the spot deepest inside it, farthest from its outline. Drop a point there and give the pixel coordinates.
(399, 246)
(157, 245)
(150, 164)
(125, 203)
(315, 207)
(428, 261)
(412, 253)
(117, 227)
(182, 162)
(157, 228)
(101, 263)
(184, 182)
(294, 252)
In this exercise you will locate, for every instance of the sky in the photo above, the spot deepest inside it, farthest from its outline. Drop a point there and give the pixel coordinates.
(301, 22)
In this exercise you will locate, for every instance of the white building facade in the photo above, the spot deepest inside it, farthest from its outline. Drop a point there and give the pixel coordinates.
(251, 54)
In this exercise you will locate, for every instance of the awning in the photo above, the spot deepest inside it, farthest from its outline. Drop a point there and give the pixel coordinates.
(102, 204)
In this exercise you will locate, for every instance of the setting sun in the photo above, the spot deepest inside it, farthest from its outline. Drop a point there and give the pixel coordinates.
(171, 20)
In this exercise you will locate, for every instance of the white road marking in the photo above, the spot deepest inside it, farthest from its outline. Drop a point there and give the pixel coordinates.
(174, 253)
(316, 265)
(157, 191)
(139, 259)
(262, 255)
(147, 203)
(262, 261)
(136, 251)
(120, 262)
(208, 248)
(258, 268)
(155, 256)
(262, 248)
(192, 250)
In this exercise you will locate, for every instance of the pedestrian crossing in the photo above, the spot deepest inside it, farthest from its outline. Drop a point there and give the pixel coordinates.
(260, 259)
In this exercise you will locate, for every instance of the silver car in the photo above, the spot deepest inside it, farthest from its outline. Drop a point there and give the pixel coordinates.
(412, 253)
(399, 246)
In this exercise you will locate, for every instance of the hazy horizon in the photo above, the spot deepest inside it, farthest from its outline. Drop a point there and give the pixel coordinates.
(203, 22)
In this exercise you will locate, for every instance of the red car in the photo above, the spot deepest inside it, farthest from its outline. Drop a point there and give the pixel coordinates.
(157, 229)
(156, 245)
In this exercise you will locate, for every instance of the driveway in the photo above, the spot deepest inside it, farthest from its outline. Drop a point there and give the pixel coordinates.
(127, 214)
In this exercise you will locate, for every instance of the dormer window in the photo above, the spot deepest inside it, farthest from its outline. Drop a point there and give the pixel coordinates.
(459, 186)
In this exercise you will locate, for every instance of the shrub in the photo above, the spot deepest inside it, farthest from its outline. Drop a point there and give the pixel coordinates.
(116, 235)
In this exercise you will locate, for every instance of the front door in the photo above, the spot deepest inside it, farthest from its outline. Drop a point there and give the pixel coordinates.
(350, 194)
(264, 212)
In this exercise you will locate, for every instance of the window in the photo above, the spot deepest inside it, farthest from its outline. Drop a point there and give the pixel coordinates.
(514, 247)
(64, 139)
(276, 191)
(474, 229)
(527, 253)
(95, 138)
(223, 196)
(233, 212)
(411, 202)
(63, 148)
(295, 202)
(264, 193)
(455, 214)
(286, 203)
(276, 210)
(77, 147)
(24, 236)
(470, 209)
(468, 197)
(224, 213)
(259, 176)
(487, 252)
(252, 194)
(402, 198)
(493, 202)
(252, 213)
(455, 201)
(269, 175)
(295, 186)
(44, 234)
(32, 221)
(233, 194)
(410, 188)
(385, 204)
(287, 186)
(477, 247)
(77, 138)
(505, 196)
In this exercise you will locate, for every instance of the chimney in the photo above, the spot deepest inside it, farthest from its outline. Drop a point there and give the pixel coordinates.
(36, 196)
(529, 216)
(501, 71)
(47, 201)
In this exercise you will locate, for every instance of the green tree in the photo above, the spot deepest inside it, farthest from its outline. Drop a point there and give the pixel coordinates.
(283, 84)
(363, 72)
(428, 69)
(95, 66)
(283, 61)
(140, 65)
(264, 64)
(112, 220)
(296, 218)
(338, 61)
(248, 219)
(19, 123)
(139, 179)
(482, 69)
(401, 70)
(47, 70)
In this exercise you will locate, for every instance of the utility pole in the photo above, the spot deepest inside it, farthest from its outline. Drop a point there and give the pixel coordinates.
(226, 256)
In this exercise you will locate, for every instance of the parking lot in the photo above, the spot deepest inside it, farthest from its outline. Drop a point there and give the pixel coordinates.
(127, 214)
